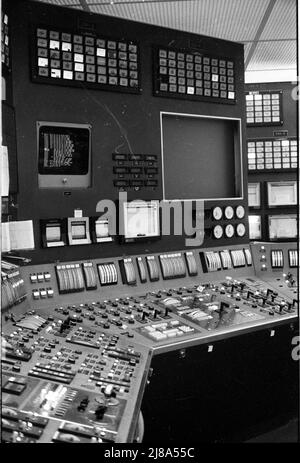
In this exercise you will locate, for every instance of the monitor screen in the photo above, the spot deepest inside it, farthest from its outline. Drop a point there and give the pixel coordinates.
(254, 227)
(78, 230)
(63, 154)
(282, 227)
(63, 150)
(196, 149)
(282, 193)
(141, 219)
(53, 233)
(101, 228)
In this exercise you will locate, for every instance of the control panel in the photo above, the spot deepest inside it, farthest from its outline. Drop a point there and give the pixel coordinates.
(277, 264)
(77, 359)
(65, 382)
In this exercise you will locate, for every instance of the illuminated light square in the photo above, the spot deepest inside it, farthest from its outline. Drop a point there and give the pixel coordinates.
(65, 46)
(78, 58)
(56, 73)
(43, 62)
(79, 67)
(54, 44)
(68, 75)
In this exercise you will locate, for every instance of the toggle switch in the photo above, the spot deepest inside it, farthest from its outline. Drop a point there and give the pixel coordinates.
(99, 412)
(83, 404)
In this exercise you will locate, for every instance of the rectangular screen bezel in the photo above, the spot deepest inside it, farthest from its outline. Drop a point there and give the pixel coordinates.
(64, 180)
(238, 157)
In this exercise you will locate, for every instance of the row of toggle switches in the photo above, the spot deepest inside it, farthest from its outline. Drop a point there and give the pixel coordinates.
(42, 293)
(40, 277)
(80, 276)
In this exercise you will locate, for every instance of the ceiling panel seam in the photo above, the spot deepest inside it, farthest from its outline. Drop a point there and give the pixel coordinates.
(260, 30)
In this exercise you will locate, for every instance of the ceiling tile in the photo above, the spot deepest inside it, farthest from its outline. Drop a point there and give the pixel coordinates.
(235, 20)
(274, 55)
(282, 21)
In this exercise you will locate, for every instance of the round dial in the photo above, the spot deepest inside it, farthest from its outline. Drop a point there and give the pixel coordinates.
(217, 213)
(240, 229)
(229, 230)
(218, 231)
(229, 212)
(240, 212)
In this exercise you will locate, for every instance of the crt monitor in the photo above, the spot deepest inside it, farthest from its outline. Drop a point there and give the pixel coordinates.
(78, 230)
(64, 155)
(139, 220)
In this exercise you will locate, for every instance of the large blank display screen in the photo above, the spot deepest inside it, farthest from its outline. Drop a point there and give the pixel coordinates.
(201, 157)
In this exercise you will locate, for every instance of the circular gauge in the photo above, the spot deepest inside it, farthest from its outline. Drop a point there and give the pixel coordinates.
(240, 212)
(240, 229)
(218, 231)
(229, 230)
(229, 212)
(217, 213)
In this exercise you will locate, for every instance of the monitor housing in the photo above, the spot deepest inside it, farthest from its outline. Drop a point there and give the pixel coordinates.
(53, 232)
(78, 230)
(64, 155)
